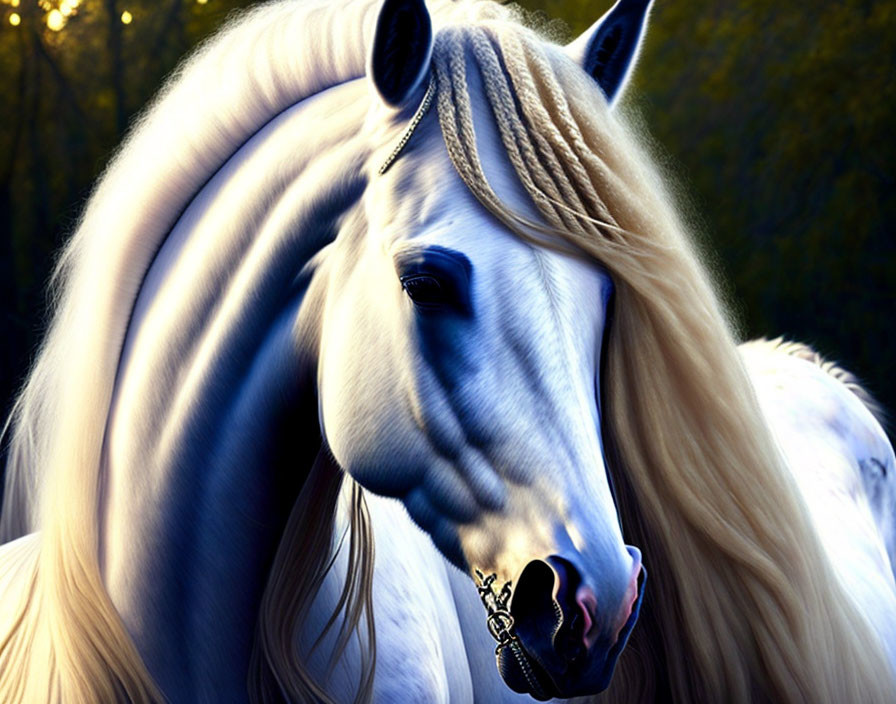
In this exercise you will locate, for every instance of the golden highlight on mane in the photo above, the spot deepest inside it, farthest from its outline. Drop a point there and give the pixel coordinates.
(740, 592)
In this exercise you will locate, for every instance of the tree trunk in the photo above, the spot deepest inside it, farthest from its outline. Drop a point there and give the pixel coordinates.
(116, 68)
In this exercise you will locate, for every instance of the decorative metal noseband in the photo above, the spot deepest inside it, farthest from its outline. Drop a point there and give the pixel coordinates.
(415, 120)
(499, 620)
(500, 625)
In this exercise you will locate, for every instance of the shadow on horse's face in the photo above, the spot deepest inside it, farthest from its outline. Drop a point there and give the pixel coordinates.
(459, 372)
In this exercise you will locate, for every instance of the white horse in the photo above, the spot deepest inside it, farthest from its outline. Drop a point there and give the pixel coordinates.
(304, 317)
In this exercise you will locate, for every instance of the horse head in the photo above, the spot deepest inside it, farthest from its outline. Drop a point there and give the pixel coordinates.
(460, 366)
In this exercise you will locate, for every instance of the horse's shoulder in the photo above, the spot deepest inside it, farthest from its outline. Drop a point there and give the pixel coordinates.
(797, 387)
(830, 436)
(843, 465)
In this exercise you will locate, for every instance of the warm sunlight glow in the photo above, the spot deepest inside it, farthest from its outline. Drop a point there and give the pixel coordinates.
(126, 17)
(14, 19)
(202, 2)
(14, 3)
(66, 8)
(55, 20)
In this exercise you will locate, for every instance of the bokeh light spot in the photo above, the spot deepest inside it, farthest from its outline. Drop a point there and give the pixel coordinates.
(126, 17)
(55, 20)
(14, 19)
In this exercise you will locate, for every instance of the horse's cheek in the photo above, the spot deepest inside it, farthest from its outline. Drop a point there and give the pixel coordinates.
(365, 415)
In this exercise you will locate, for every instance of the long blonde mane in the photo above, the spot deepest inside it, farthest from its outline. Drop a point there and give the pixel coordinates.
(743, 599)
(741, 594)
(69, 644)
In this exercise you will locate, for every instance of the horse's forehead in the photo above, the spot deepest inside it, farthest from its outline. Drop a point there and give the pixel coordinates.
(425, 204)
(423, 190)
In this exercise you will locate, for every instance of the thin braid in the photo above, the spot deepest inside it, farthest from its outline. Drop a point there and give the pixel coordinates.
(556, 154)
(456, 113)
(517, 51)
(456, 119)
(450, 100)
(600, 233)
(586, 163)
(513, 133)
(562, 114)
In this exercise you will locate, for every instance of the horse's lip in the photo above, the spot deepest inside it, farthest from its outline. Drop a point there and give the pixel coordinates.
(631, 596)
(624, 633)
(542, 677)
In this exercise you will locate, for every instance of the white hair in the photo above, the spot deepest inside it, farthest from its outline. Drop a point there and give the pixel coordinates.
(272, 58)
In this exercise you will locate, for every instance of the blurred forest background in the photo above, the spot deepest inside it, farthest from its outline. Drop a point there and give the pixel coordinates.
(774, 120)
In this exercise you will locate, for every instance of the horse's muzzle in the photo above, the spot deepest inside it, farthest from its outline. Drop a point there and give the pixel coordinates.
(557, 650)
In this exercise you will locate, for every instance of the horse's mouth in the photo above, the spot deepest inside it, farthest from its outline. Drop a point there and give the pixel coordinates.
(525, 669)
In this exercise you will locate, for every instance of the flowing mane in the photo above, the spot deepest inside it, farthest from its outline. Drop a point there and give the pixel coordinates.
(271, 58)
(743, 599)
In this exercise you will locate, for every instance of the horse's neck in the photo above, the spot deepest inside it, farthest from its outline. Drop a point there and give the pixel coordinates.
(432, 643)
(213, 421)
(827, 436)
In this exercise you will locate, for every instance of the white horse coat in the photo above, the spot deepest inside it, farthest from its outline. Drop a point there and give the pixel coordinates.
(843, 464)
(269, 295)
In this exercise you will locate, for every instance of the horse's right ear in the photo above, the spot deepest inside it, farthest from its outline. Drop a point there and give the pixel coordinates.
(402, 47)
(608, 49)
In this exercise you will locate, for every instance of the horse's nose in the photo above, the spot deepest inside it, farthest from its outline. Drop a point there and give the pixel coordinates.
(563, 645)
(553, 611)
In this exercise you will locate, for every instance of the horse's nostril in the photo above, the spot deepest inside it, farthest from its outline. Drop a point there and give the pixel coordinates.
(576, 621)
(546, 610)
(532, 605)
(587, 603)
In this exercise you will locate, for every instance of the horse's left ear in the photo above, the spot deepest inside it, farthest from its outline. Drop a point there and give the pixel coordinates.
(608, 49)
(402, 47)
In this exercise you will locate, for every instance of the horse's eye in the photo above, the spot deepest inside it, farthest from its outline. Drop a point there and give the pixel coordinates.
(436, 279)
(425, 290)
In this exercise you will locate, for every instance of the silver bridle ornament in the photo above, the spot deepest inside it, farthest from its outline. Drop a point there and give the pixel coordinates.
(423, 108)
(500, 625)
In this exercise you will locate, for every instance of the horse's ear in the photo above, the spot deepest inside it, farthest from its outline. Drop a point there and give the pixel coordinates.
(608, 49)
(402, 47)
